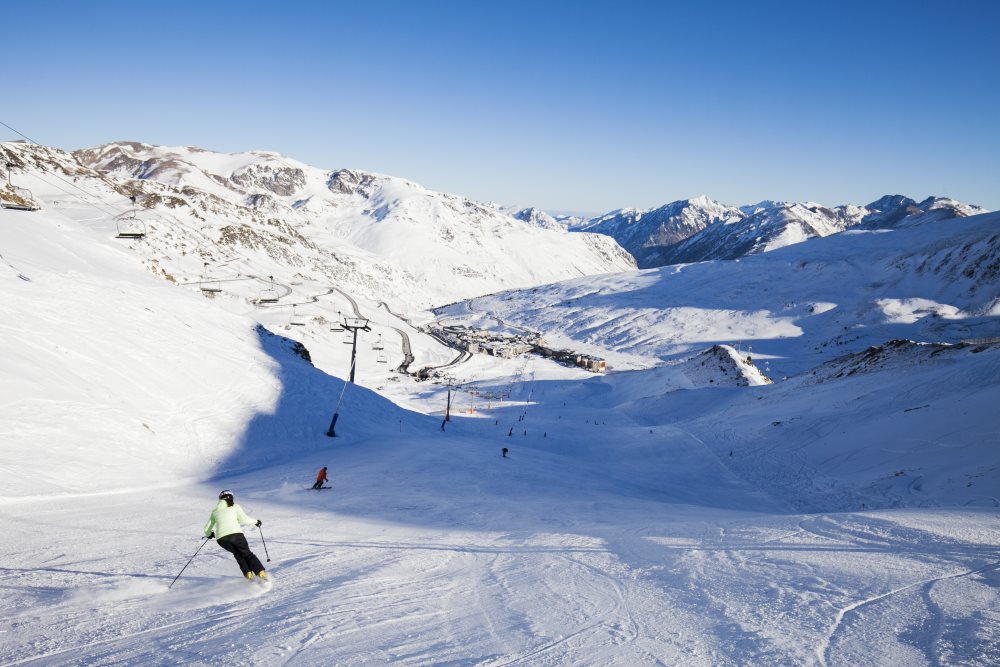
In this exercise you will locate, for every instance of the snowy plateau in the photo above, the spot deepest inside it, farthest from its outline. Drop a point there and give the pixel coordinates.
(791, 458)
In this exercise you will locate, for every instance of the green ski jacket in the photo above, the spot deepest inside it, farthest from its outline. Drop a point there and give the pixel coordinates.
(226, 520)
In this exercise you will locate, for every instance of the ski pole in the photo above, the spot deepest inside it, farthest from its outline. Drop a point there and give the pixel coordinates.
(203, 543)
(265, 544)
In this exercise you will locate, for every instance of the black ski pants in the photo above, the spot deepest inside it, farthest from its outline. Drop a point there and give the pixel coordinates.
(236, 544)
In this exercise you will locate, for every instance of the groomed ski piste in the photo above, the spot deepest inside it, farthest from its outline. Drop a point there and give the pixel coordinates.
(655, 516)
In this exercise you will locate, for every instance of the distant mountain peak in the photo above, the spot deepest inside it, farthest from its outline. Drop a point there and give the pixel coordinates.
(640, 231)
(689, 230)
(537, 218)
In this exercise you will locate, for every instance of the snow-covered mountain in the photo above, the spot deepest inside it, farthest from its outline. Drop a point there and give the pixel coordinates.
(894, 211)
(823, 312)
(701, 229)
(765, 229)
(537, 218)
(798, 305)
(643, 231)
(846, 514)
(784, 224)
(262, 213)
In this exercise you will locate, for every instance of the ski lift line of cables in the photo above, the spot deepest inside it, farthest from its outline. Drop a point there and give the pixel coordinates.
(69, 183)
(81, 199)
(154, 213)
(20, 134)
(99, 198)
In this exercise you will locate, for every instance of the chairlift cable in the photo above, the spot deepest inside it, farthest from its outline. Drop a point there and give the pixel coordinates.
(153, 212)
(114, 213)
(70, 183)
(19, 133)
(73, 194)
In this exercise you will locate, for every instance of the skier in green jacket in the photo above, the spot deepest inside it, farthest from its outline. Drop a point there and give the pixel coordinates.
(224, 525)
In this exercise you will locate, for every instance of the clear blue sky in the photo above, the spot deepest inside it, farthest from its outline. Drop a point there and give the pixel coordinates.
(585, 106)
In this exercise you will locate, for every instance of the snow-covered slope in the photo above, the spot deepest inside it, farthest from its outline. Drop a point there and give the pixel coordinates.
(898, 424)
(797, 306)
(100, 354)
(796, 311)
(370, 233)
(684, 512)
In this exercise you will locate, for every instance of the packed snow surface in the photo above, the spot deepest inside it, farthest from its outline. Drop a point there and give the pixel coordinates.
(679, 511)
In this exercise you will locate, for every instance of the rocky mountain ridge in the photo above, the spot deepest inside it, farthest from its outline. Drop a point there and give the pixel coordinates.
(260, 213)
(701, 229)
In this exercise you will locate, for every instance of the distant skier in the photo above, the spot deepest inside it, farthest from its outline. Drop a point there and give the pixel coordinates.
(224, 525)
(504, 452)
(320, 478)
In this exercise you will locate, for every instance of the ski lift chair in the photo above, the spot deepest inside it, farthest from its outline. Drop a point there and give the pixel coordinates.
(18, 199)
(130, 228)
(268, 294)
(129, 225)
(210, 286)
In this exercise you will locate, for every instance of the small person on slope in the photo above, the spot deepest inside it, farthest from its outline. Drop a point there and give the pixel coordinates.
(224, 525)
(320, 478)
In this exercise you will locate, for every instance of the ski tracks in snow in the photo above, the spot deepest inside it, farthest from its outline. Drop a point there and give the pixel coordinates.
(609, 621)
(906, 620)
(924, 587)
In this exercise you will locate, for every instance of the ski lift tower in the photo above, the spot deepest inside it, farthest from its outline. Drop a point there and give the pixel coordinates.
(351, 325)
(354, 325)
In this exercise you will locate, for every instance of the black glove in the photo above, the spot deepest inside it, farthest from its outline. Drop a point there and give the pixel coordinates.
(258, 523)
(210, 535)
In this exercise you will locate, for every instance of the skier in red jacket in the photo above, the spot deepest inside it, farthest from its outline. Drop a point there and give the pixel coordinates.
(320, 478)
